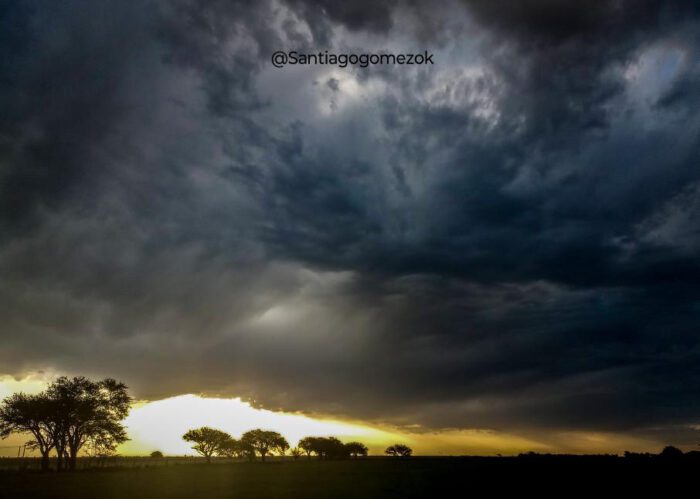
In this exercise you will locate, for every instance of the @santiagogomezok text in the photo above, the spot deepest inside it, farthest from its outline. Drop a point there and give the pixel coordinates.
(283, 58)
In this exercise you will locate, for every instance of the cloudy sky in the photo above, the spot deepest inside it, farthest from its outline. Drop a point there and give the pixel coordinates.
(504, 241)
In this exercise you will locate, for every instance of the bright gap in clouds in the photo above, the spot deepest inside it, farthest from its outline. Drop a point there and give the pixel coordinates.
(159, 425)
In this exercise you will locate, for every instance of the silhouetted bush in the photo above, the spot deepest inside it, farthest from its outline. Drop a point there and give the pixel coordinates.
(671, 452)
(356, 449)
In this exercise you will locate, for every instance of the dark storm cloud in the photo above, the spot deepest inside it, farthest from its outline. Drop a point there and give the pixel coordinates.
(505, 240)
(47, 124)
(372, 16)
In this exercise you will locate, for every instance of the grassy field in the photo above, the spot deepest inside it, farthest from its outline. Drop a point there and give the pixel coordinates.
(369, 478)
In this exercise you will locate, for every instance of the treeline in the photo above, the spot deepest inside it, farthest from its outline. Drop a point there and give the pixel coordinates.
(78, 415)
(70, 416)
(210, 442)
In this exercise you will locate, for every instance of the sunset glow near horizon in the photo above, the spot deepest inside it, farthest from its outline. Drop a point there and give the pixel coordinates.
(160, 424)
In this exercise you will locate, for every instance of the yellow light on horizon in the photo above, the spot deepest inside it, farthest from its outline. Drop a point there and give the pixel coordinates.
(33, 383)
(159, 425)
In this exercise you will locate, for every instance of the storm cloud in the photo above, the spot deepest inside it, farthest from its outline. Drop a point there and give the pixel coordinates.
(507, 239)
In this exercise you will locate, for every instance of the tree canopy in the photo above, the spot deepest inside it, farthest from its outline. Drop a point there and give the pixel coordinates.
(32, 414)
(265, 442)
(89, 411)
(308, 445)
(331, 448)
(208, 441)
(356, 449)
(399, 450)
(69, 414)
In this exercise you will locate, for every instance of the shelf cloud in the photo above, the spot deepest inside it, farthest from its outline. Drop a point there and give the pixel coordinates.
(504, 240)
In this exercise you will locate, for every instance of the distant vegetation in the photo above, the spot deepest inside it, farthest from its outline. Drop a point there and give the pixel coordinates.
(210, 442)
(398, 450)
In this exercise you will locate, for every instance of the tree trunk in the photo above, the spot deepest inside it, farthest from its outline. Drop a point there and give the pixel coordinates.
(45, 461)
(262, 456)
(208, 458)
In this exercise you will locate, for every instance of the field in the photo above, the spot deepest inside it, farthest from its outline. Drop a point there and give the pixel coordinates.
(367, 478)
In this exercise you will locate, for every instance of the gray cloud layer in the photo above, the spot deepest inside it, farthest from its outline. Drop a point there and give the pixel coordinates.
(507, 239)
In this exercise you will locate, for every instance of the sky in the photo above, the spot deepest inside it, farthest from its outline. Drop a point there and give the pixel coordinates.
(492, 253)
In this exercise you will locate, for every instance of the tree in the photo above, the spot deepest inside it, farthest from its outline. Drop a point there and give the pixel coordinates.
(324, 447)
(296, 453)
(264, 442)
(207, 441)
(156, 454)
(69, 414)
(399, 450)
(671, 452)
(85, 411)
(236, 448)
(332, 448)
(33, 414)
(98, 446)
(356, 449)
(308, 445)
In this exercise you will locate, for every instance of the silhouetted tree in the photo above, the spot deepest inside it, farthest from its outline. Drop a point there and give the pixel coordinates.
(100, 447)
(156, 454)
(332, 448)
(296, 453)
(265, 442)
(324, 447)
(88, 411)
(308, 445)
(207, 441)
(236, 448)
(356, 449)
(671, 452)
(33, 414)
(399, 450)
(69, 414)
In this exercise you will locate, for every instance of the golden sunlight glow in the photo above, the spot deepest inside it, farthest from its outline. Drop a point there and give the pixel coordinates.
(159, 425)
(33, 383)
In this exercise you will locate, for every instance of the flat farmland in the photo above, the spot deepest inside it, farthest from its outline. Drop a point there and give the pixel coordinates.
(368, 478)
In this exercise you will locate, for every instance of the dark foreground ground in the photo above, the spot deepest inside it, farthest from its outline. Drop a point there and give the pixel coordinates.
(368, 478)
